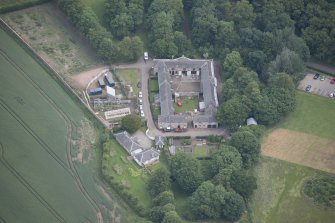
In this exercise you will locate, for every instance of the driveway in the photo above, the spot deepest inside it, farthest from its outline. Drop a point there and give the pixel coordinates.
(144, 68)
(323, 88)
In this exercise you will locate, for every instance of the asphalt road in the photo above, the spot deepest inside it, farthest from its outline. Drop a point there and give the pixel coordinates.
(144, 68)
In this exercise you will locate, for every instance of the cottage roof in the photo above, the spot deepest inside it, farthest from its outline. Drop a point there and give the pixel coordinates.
(147, 156)
(159, 141)
(127, 142)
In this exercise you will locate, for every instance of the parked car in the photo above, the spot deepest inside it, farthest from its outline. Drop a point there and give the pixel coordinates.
(332, 81)
(141, 107)
(140, 101)
(146, 57)
(140, 95)
(322, 78)
(308, 88)
(316, 76)
(142, 113)
(331, 94)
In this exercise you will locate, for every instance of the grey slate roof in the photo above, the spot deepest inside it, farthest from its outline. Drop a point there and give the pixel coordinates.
(208, 85)
(146, 156)
(159, 141)
(141, 156)
(127, 142)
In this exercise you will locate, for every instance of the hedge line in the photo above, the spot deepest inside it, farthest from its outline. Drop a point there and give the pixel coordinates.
(20, 5)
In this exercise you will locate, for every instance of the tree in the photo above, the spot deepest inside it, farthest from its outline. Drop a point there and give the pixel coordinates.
(227, 157)
(283, 99)
(171, 217)
(233, 113)
(207, 200)
(248, 146)
(243, 184)
(229, 89)
(281, 80)
(122, 25)
(265, 111)
(232, 62)
(186, 170)
(107, 49)
(164, 198)
(288, 62)
(204, 23)
(256, 60)
(131, 123)
(233, 206)
(157, 213)
(183, 44)
(132, 48)
(223, 177)
(159, 182)
(243, 14)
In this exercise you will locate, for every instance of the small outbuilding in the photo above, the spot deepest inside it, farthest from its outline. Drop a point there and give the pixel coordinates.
(251, 121)
(159, 142)
(109, 80)
(102, 83)
(110, 91)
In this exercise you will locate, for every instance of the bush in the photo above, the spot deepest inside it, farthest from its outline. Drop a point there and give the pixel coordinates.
(322, 190)
(131, 123)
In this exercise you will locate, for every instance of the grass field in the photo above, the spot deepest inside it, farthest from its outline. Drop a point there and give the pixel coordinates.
(305, 136)
(51, 35)
(40, 132)
(126, 172)
(278, 198)
(153, 85)
(314, 115)
(130, 77)
(187, 105)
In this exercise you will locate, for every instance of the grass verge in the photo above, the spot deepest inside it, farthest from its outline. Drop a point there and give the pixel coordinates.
(278, 197)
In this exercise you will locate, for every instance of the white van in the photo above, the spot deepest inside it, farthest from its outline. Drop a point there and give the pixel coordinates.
(146, 57)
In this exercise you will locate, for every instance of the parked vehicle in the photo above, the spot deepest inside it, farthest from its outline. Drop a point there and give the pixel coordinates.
(316, 76)
(322, 78)
(146, 57)
(140, 101)
(140, 95)
(142, 113)
(332, 81)
(308, 88)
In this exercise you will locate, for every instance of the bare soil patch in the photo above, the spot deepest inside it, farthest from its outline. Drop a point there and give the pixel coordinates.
(81, 80)
(301, 148)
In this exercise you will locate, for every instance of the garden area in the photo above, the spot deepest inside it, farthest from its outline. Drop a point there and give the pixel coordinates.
(130, 77)
(187, 104)
(153, 90)
(123, 173)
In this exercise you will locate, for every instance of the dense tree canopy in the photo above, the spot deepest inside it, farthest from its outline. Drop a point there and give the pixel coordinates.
(131, 123)
(227, 157)
(159, 181)
(186, 170)
(243, 184)
(248, 145)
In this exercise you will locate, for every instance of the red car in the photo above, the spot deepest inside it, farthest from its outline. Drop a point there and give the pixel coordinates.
(332, 81)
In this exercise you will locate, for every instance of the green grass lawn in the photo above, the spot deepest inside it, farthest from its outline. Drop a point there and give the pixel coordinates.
(278, 197)
(40, 181)
(187, 105)
(131, 77)
(153, 85)
(200, 151)
(126, 172)
(313, 115)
